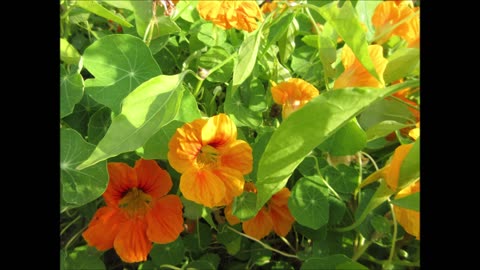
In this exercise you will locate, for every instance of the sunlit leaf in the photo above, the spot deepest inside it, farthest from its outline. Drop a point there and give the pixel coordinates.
(71, 91)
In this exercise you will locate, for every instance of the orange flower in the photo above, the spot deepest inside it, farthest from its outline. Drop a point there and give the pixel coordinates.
(138, 211)
(355, 74)
(211, 160)
(408, 218)
(392, 170)
(275, 215)
(269, 6)
(390, 18)
(241, 15)
(292, 94)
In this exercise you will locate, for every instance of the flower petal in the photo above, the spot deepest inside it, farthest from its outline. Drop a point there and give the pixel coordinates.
(392, 171)
(104, 227)
(280, 198)
(122, 178)
(408, 218)
(131, 243)
(259, 226)
(238, 156)
(233, 182)
(152, 179)
(282, 219)
(202, 187)
(218, 131)
(232, 220)
(165, 220)
(185, 145)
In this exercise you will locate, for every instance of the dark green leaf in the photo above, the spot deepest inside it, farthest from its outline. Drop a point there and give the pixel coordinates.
(342, 178)
(229, 238)
(279, 27)
(98, 125)
(119, 63)
(191, 210)
(71, 91)
(259, 255)
(236, 106)
(200, 265)
(337, 210)
(307, 65)
(79, 186)
(348, 140)
(337, 261)
(200, 239)
(171, 253)
(212, 258)
(157, 146)
(380, 224)
(82, 257)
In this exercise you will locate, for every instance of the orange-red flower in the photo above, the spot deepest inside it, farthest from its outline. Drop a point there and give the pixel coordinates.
(292, 94)
(241, 15)
(408, 218)
(390, 18)
(211, 160)
(355, 74)
(274, 216)
(138, 211)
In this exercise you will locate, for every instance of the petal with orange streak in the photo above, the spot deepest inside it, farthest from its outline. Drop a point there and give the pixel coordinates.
(185, 145)
(219, 130)
(282, 219)
(232, 220)
(259, 226)
(202, 187)
(104, 227)
(131, 243)
(152, 179)
(392, 172)
(281, 197)
(165, 220)
(238, 156)
(233, 182)
(122, 178)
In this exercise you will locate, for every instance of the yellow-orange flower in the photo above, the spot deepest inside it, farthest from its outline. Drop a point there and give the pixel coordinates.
(390, 18)
(355, 74)
(138, 211)
(408, 218)
(241, 15)
(292, 94)
(392, 170)
(269, 6)
(274, 216)
(211, 160)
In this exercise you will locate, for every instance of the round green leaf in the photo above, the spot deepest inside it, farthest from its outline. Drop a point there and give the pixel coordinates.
(259, 255)
(308, 204)
(98, 125)
(211, 35)
(79, 186)
(68, 53)
(213, 57)
(338, 261)
(342, 178)
(119, 63)
(171, 253)
(83, 257)
(200, 265)
(71, 91)
(244, 206)
(200, 239)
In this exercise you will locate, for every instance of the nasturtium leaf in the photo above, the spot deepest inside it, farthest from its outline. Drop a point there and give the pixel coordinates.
(383, 128)
(98, 9)
(337, 261)
(212, 258)
(410, 168)
(188, 11)
(286, 43)
(244, 206)
(281, 265)
(229, 238)
(380, 224)
(308, 204)
(200, 239)
(341, 178)
(82, 257)
(68, 53)
(71, 91)
(312, 234)
(259, 255)
(270, 67)
(347, 24)
(157, 146)
(211, 35)
(247, 56)
(348, 140)
(401, 63)
(300, 133)
(200, 265)
(79, 186)
(337, 210)
(385, 110)
(257, 150)
(119, 63)
(191, 210)
(119, 4)
(279, 27)
(365, 11)
(411, 201)
(212, 58)
(160, 25)
(171, 253)
(145, 111)
(98, 125)
(82, 112)
(307, 65)
(236, 106)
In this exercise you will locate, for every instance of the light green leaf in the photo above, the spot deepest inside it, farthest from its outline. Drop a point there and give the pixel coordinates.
(385, 110)
(98, 9)
(348, 140)
(383, 128)
(306, 65)
(247, 56)
(188, 11)
(211, 35)
(237, 106)
(171, 253)
(98, 125)
(119, 63)
(161, 24)
(365, 11)
(401, 63)
(347, 24)
(157, 146)
(145, 111)
(119, 3)
(411, 201)
(244, 206)
(308, 204)
(410, 168)
(68, 53)
(79, 187)
(212, 58)
(71, 91)
(337, 261)
(82, 257)
(300, 133)
(286, 43)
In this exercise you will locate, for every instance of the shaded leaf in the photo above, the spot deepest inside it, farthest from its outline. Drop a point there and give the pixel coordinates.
(171, 253)
(71, 91)
(96, 8)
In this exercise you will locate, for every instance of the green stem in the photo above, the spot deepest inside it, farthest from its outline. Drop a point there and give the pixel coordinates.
(170, 266)
(382, 262)
(359, 252)
(70, 224)
(371, 159)
(263, 244)
(288, 243)
(394, 237)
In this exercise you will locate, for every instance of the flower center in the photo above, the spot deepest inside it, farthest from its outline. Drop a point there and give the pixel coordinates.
(207, 155)
(135, 202)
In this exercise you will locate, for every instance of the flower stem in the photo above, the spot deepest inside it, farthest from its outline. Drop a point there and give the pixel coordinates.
(70, 224)
(359, 252)
(394, 236)
(263, 244)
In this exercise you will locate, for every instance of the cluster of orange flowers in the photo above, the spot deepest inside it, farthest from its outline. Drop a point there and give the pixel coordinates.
(212, 161)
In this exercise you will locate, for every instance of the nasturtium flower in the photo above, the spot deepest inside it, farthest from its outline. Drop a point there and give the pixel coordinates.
(138, 211)
(292, 94)
(270, 5)
(274, 215)
(211, 160)
(390, 18)
(355, 74)
(408, 218)
(241, 15)
(392, 170)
